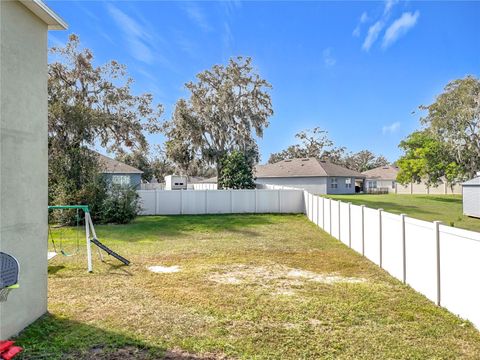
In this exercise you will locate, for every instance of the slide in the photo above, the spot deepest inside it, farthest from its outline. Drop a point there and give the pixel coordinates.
(109, 251)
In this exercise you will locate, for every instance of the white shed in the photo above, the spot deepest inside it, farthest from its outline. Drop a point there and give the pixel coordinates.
(175, 182)
(471, 197)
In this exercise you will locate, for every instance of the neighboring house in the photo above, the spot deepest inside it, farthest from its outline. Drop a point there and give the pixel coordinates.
(24, 156)
(471, 197)
(119, 173)
(317, 176)
(205, 184)
(382, 178)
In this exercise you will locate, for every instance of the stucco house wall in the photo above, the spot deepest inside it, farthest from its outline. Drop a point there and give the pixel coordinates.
(314, 184)
(23, 152)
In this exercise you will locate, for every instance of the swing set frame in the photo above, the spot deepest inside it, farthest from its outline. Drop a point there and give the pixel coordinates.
(89, 228)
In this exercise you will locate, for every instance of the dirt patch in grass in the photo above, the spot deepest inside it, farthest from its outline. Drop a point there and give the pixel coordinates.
(279, 279)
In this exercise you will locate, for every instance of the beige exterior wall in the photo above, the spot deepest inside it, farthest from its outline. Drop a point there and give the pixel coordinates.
(23, 161)
(440, 189)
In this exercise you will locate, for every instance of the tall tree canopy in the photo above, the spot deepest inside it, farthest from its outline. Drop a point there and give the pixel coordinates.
(449, 145)
(426, 159)
(364, 160)
(454, 118)
(90, 105)
(228, 107)
(316, 143)
(313, 143)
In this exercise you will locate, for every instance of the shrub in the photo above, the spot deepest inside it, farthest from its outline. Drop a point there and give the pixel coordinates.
(120, 206)
(236, 173)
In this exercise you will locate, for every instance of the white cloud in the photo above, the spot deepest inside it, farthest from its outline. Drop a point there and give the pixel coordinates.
(197, 16)
(390, 129)
(389, 4)
(356, 31)
(364, 17)
(400, 27)
(372, 35)
(328, 58)
(135, 34)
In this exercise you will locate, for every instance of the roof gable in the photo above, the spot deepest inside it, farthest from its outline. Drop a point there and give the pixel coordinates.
(387, 172)
(112, 166)
(47, 15)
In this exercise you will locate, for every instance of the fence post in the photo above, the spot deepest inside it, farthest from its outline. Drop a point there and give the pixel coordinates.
(318, 210)
(256, 194)
(323, 213)
(380, 238)
(231, 201)
(349, 225)
(404, 252)
(339, 222)
(206, 201)
(156, 202)
(181, 201)
(436, 225)
(279, 205)
(363, 229)
(330, 217)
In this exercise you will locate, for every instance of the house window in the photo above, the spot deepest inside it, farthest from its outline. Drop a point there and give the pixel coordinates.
(348, 183)
(372, 184)
(122, 180)
(333, 183)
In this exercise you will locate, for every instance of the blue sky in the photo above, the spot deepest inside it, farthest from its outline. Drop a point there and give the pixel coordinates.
(356, 69)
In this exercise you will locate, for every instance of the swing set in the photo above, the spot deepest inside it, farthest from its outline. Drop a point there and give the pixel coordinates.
(90, 236)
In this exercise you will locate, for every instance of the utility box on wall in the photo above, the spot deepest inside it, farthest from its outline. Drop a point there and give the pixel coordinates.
(175, 182)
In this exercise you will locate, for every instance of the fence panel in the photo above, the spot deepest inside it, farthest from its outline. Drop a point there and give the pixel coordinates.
(194, 201)
(315, 209)
(344, 223)
(291, 201)
(147, 202)
(460, 269)
(218, 201)
(243, 201)
(326, 214)
(392, 244)
(334, 221)
(356, 220)
(371, 235)
(168, 202)
(421, 257)
(268, 201)
(321, 213)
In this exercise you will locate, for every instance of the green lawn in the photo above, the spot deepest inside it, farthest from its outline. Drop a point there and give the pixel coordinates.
(446, 208)
(250, 286)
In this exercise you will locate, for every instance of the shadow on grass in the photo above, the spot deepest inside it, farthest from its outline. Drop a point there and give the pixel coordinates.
(55, 268)
(175, 225)
(52, 337)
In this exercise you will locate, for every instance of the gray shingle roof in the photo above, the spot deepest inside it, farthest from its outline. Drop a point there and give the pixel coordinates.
(304, 167)
(112, 166)
(388, 172)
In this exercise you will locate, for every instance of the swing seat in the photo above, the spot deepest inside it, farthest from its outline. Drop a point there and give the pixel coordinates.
(51, 255)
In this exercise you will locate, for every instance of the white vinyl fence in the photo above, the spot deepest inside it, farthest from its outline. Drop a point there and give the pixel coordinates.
(176, 202)
(439, 261)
